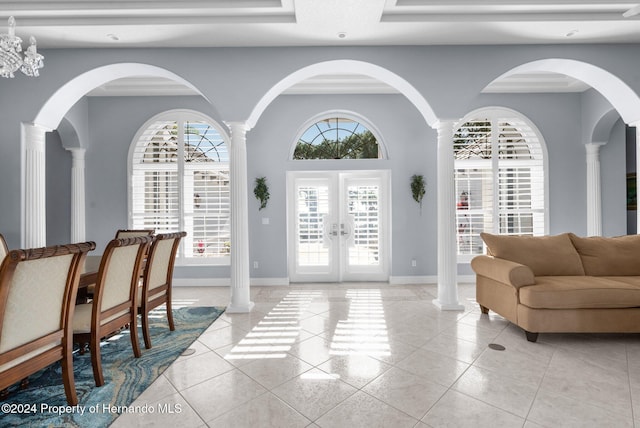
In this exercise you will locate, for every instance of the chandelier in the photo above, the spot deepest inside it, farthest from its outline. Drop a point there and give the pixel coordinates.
(11, 57)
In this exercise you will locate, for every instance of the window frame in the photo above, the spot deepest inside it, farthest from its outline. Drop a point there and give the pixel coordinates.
(494, 114)
(179, 116)
(345, 114)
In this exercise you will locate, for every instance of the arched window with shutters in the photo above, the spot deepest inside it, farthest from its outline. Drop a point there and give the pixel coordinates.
(179, 166)
(500, 178)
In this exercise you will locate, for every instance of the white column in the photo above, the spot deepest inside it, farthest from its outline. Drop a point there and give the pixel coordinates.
(594, 192)
(34, 225)
(78, 227)
(447, 257)
(240, 296)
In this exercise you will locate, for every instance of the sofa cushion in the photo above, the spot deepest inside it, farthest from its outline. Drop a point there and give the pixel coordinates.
(632, 280)
(545, 255)
(580, 292)
(609, 256)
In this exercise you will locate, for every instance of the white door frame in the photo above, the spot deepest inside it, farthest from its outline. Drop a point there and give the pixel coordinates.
(339, 233)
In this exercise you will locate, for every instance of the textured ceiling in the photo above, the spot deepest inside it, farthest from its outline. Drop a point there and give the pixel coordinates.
(165, 23)
(212, 23)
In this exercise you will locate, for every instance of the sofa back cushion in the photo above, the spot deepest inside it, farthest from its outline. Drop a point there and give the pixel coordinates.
(545, 255)
(619, 256)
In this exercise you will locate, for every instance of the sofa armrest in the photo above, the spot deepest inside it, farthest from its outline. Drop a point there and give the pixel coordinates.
(501, 270)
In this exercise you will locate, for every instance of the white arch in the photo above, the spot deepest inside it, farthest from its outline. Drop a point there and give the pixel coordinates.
(602, 128)
(349, 67)
(618, 93)
(68, 94)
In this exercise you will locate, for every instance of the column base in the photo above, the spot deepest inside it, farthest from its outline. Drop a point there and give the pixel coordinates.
(448, 306)
(239, 309)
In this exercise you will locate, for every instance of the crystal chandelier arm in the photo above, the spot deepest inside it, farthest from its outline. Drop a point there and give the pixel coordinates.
(12, 26)
(11, 58)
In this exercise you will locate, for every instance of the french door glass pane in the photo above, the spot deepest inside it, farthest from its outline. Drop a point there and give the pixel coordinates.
(313, 207)
(363, 210)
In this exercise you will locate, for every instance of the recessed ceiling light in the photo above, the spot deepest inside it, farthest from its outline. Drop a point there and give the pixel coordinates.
(571, 33)
(342, 35)
(113, 37)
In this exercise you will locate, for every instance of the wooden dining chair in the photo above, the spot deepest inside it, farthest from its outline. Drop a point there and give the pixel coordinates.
(114, 301)
(157, 279)
(89, 291)
(132, 233)
(37, 299)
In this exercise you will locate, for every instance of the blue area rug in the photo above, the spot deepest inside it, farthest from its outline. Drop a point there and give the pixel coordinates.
(125, 377)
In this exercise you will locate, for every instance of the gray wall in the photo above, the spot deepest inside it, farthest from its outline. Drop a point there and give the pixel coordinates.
(411, 147)
(233, 80)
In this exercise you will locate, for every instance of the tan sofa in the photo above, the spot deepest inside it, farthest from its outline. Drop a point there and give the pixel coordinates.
(562, 283)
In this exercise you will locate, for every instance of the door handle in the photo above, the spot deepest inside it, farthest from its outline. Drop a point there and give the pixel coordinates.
(334, 229)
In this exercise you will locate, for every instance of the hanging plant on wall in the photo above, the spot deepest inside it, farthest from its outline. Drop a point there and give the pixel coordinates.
(261, 191)
(418, 188)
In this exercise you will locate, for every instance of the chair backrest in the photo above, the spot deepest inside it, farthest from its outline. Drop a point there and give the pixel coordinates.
(132, 233)
(37, 295)
(118, 276)
(4, 250)
(161, 259)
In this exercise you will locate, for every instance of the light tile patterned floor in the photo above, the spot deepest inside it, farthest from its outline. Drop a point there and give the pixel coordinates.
(378, 355)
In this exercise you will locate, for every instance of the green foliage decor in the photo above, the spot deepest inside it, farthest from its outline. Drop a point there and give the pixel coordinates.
(418, 188)
(356, 146)
(261, 191)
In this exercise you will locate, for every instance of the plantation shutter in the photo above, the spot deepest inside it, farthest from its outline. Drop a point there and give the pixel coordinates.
(155, 186)
(180, 181)
(499, 181)
(520, 179)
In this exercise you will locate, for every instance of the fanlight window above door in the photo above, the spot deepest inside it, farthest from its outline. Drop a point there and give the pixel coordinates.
(337, 138)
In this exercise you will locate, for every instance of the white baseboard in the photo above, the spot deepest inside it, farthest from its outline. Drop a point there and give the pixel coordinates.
(201, 282)
(226, 282)
(269, 282)
(423, 279)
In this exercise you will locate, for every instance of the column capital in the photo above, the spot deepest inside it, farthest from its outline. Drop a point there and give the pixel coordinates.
(443, 123)
(593, 149)
(238, 125)
(77, 152)
(31, 125)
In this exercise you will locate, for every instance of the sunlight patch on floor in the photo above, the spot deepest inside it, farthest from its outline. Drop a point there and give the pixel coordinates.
(364, 332)
(274, 335)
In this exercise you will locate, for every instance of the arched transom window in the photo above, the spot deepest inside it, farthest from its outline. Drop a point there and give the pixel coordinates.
(499, 179)
(337, 138)
(180, 181)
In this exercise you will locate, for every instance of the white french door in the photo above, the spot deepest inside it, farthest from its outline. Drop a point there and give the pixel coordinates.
(338, 226)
